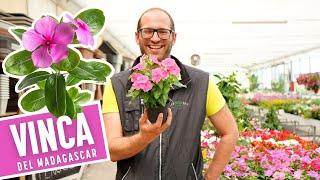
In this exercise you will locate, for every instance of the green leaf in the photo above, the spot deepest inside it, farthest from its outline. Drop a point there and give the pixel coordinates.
(73, 93)
(94, 18)
(157, 94)
(20, 63)
(33, 101)
(69, 63)
(160, 84)
(78, 108)
(41, 84)
(166, 89)
(163, 99)
(93, 70)
(18, 32)
(70, 109)
(179, 84)
(71, 80)
(33, 78)
(55, 94)
(82, 98)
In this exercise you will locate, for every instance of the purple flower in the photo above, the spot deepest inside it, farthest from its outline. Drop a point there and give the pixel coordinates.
(159, 74)
(268, 172)
(314, 174)
(306, 159)
(48, 41)
(82, 31)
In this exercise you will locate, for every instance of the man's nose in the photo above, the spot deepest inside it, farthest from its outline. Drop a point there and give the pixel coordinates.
(155, 37)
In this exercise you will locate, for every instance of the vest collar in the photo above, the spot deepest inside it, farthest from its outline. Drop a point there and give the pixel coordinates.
(185, 78)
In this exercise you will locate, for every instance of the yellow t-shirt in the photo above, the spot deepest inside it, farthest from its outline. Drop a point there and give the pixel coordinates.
(215, 100)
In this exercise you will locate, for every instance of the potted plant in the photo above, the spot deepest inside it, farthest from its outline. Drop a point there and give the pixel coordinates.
(152, 81)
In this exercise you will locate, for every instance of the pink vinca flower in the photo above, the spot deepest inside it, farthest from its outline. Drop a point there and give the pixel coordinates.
(171, 66)
(155, 60)
(141, 82)
(83, 33)
(159, 74)
(139, 66)
(48, 41)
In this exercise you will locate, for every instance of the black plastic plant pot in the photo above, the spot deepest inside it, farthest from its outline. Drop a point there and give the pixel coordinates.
(153, 113)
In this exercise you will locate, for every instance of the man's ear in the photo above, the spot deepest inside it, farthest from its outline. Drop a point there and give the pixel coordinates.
(137, 37)
(174, 37)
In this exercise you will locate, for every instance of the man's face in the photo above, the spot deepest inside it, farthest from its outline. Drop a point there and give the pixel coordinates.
(155, 46)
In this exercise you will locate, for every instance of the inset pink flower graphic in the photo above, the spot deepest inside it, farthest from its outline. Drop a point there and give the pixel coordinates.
(48, 41)
(82, 30)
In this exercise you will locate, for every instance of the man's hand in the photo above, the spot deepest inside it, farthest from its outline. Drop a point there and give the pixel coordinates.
(148, 131)
(121, 147)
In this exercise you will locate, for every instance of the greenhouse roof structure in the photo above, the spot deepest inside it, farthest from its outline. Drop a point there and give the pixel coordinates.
(226, 34)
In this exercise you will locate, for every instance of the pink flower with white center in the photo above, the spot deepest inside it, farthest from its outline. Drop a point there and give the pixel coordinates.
(82, 30)
(142, 82)
(159, 74)
(48, 41)
(171, 66)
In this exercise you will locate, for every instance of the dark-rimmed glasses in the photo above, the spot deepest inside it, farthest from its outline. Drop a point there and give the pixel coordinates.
(148, 33)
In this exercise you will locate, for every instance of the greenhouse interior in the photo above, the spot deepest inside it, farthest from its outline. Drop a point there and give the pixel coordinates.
(264, 56)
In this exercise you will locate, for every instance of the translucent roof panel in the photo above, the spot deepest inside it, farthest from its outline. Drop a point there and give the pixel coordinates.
(225, 33)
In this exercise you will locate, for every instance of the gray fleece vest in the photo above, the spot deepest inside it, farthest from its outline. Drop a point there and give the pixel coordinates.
(176, 153)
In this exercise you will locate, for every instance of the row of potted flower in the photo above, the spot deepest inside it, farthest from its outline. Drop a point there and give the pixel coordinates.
(308, 108)
(267, 154)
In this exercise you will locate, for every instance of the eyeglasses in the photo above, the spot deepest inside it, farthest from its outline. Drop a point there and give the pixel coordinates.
(148, 33)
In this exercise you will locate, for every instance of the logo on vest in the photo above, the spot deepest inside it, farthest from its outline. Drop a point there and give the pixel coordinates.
(178, 104)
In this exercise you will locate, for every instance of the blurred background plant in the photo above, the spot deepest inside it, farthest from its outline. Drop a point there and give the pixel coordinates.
(253, 81)
(278, 85)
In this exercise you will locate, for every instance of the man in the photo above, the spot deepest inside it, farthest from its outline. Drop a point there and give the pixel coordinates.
(170, 150)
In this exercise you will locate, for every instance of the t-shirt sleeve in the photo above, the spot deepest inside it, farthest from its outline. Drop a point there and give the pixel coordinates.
(215, 100)
(109, 99)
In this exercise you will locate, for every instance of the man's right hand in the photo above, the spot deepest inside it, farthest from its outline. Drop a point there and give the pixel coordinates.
(148, 131)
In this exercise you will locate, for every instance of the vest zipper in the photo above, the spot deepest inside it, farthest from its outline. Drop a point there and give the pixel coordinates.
(160, 157)
(126, 173)
(194, 171)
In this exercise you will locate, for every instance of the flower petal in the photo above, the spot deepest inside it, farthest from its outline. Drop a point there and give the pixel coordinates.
(84, 37)
(31, 40)
(41, 57)
(83, 33)
(63, 34)
(58, 52)
(69, 19)
(46, 26)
